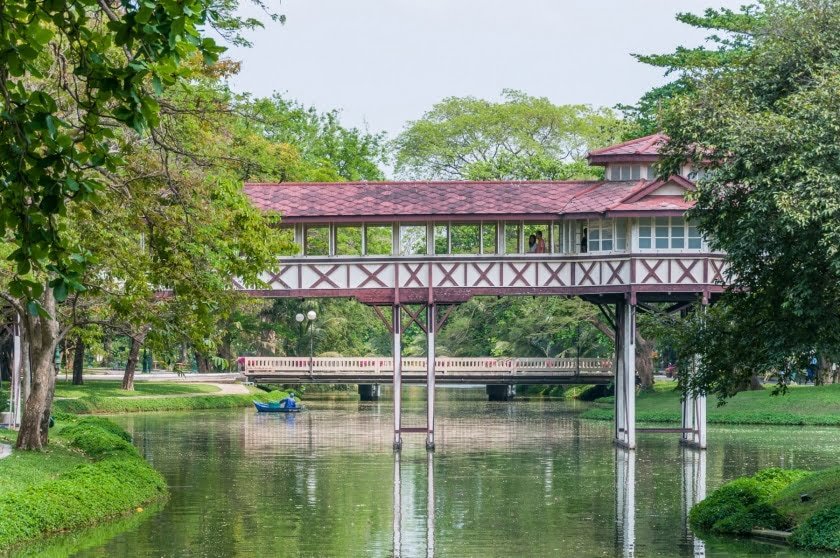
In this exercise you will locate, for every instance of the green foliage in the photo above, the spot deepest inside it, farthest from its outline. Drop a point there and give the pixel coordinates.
(766, 131)
(520, 138)
(62, 114)
(743, 504)
(821, 531)
(113, 481)
(805, 406)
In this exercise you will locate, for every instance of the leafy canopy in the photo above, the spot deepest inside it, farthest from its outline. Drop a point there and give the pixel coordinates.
(520, 138)
(767, 130)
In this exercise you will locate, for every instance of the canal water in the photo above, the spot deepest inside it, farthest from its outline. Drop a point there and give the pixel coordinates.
(526, 478)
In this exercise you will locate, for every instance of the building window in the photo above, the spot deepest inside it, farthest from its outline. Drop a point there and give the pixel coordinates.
(632, 172)
(412, 240)
(290, 243)
(348, 240)
(379, 240)
(668, 233)
(512, 236)
(465, 239)
(600, 236)
(317, 240)
(488, 238)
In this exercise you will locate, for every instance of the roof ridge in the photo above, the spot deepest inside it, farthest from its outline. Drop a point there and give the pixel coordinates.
(626, 143)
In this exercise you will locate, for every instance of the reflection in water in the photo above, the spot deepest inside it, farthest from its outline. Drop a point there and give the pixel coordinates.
(507, 479)
(399, 506)
(625, 500)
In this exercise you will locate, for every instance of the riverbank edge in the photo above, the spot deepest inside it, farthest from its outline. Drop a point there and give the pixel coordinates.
(801, 508)
(114, 405)
(801, 406)
(115, 481)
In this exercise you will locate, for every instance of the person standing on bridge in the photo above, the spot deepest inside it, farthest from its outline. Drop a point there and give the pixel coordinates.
(583, 241)
(540, 243)
(532, 244)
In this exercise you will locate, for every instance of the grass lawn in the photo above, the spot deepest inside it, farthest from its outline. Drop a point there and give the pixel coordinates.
(21, 470)
(803, 405)
(108, 388)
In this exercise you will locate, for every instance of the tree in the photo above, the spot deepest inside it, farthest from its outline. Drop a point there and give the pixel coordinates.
(765, 129)
(734, 33)
(520, 138)
(73, 76)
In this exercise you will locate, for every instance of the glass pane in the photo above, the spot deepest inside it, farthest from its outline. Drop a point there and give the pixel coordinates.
(606, 245)
(465, 239)
(318, 240)
(441, 239)
(412, 240)
(290, 246)
(625, 172)
(593, 246)
(606, 230)
(694, 243)
(677, 243)
(594, 233)
(662, 232)
(511, 238)
(635, 171)
(662, 242)
(651, 172)
(644, 243)
(644, 232)
(488, 231)
(348, 241)
(677, 232)
(615, 172)
(662, 222)
(379, 240)
(621, 234)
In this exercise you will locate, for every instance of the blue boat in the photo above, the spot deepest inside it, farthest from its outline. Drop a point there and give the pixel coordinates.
(275, 407)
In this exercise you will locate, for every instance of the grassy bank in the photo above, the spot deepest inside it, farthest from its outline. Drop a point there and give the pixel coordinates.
(814, 406)
(112, 388)
(96, 404)
(90, 473)
(805, 504)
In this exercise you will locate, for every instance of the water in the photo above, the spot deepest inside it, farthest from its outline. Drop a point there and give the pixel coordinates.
(508, 479)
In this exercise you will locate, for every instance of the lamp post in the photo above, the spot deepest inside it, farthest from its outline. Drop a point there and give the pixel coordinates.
(311, 315)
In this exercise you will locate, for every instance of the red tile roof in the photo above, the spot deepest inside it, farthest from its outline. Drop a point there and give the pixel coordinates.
(354, 201)
(644, 149)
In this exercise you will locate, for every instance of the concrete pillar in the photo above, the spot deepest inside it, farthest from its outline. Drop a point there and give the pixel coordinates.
(369, 392)
(625, 500)
(15, 399)
(694, 412)
(397, 352)
(625, 375)
(431, 318)
(500, 392)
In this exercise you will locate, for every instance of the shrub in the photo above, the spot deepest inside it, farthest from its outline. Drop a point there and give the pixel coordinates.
(744, 504)
(820, 532)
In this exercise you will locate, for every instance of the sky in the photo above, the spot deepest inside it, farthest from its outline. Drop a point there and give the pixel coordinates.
(383, 63)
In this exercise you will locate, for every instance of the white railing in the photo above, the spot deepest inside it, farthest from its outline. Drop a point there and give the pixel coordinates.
(367, 366)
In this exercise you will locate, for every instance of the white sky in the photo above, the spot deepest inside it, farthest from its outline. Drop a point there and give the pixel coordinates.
(385, 62)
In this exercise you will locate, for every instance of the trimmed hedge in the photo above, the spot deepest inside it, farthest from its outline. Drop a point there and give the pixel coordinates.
(743, 504)
(115, 481)
(820, 532)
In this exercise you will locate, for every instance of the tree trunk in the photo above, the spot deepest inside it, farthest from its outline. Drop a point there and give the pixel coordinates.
(78, 362)
(201, 363)
(42, 333)
(133, 356)
(644, 354)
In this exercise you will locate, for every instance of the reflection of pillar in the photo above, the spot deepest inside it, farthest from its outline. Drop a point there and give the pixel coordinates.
(694, 491)
(430, 376)
(500, 392)
(430, 504)
(397, 352)
(625, 375)
(397, 507)
(625, 500)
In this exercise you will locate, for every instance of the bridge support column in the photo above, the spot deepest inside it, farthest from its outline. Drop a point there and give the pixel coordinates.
(397, 351)
(500, 392)
(625, 375)
(694, 418)
(431, 320)
(369, 392)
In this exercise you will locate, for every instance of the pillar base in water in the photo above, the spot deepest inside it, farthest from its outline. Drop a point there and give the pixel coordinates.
(500, 392)
(369, 392)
